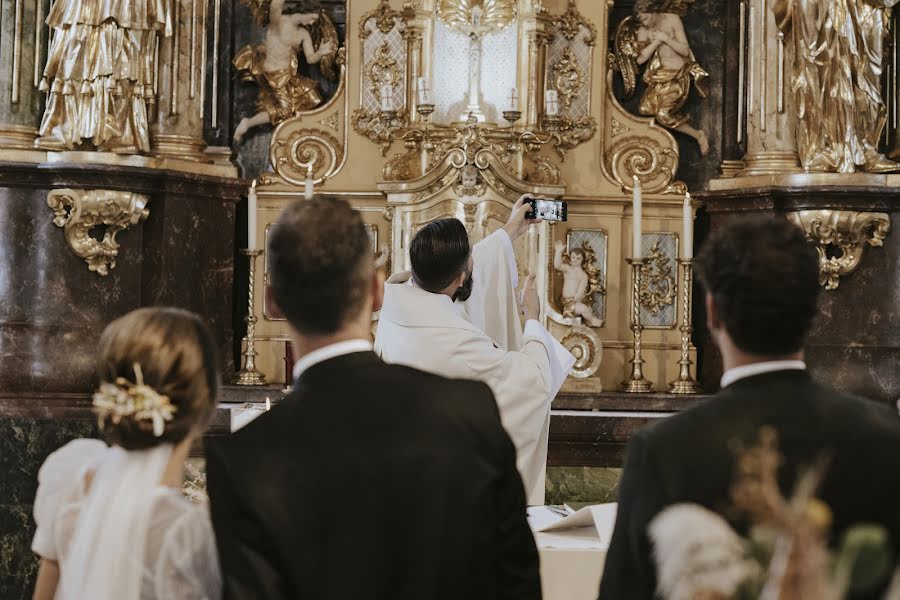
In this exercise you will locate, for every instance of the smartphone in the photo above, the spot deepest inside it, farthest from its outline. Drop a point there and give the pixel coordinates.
(548, 210)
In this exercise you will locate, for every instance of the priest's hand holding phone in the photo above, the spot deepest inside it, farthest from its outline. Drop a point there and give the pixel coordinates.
(518, 223)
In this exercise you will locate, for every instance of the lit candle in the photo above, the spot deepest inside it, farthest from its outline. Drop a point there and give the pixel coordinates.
(687, 229)
(636, 251)
(387, 98)
(308, 184)
(423, 91)
(551, 103)
(513, 99)
(251, 217)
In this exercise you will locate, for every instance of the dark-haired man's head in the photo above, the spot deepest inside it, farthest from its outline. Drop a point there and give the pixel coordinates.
(441, 259)
(762, 287)
(321, 272)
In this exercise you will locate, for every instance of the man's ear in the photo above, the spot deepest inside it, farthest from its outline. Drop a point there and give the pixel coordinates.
(713, 321)
(271, 306)
(377, 290)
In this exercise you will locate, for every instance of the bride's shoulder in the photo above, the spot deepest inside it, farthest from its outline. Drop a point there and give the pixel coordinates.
(59, 480)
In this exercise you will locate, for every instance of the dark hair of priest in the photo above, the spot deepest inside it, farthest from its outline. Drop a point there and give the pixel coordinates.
(763, 278)
(161, 351)
(320, 264)
(438, 253)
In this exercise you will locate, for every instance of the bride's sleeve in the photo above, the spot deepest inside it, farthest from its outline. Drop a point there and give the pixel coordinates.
(188, 566)
(56, 479)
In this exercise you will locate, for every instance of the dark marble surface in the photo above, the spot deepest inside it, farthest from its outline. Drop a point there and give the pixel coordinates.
(54, 309)
(854, 344)
(24, 444)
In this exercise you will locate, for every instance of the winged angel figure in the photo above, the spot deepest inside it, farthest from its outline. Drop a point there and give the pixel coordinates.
(655, 36)
(301, 26)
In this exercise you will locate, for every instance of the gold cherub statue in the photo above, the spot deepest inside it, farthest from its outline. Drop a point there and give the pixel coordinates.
(274, 65)
(655, 36)
(581, 280)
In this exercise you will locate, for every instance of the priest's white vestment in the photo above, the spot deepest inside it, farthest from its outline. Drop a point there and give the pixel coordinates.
(482, 339)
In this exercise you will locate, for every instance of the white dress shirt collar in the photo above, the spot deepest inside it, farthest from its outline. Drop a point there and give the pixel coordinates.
(736, 373)
(328, 352)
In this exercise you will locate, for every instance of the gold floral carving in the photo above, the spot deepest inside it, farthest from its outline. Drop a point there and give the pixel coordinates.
(291, 153)
(373, 126)
(401, 166)
(92, 219)
(657, 281)
(587, 349)
(469, 210)
(331, 122)
(840, 238)
(617, 128)
(385, 19)
(544, 171)
(654, 164)
(382, 70)
(568, 77)
(569, 23)
(572, 133)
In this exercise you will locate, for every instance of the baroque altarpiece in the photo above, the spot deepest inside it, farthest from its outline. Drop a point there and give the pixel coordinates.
(455, 109)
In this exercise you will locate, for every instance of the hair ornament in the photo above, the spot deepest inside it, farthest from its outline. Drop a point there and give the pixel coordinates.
(136, 400)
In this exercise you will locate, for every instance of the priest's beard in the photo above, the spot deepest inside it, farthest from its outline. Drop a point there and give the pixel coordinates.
(464, 291)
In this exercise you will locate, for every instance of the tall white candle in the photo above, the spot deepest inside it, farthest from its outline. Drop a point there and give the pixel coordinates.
(387, 97)
(251, 217)
(308, 184)
(423, 91)
(636, 251)
(551, 103)
(687, 229)
(513, 99)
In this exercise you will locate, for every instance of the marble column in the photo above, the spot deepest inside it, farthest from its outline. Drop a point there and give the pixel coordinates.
(764, 98)
(23, 49)
(178, 128)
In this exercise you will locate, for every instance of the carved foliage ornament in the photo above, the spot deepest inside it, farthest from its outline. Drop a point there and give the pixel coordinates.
(645, 157)
(383, 18)
(568, 77)
(840, 237)
(569, 23)
(476, 16)
(657, 281)
(292, 152)
(92, 219)
(382, 70)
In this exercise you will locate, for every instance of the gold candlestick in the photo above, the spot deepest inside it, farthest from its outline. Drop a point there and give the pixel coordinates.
(249, 375)
(685, 384)
(637, 384)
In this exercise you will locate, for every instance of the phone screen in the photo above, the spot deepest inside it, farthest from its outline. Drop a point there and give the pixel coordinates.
(547, 210)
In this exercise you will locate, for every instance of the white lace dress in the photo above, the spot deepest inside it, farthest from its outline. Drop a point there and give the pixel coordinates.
(180, 560)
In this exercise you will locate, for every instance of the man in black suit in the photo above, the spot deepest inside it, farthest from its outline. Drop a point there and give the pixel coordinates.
(370, 480)
(761, 281)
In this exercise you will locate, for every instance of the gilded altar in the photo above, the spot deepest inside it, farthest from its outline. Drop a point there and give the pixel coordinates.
(449, 108)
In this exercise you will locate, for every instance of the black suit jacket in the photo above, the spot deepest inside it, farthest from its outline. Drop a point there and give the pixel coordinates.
(688, 458)
(372, 481)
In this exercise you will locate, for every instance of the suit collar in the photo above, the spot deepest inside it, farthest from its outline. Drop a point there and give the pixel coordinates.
(339, 365)
(409, 306)
(737, 373)
(769, 377)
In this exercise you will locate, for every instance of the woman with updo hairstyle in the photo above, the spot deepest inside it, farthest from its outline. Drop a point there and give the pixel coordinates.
(112, 522)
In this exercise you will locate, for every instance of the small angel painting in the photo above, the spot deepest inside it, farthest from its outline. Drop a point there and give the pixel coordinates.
(581, 280)
(655, 37)
(300, 27)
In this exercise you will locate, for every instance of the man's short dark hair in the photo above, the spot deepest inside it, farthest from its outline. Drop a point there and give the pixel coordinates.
(764, 279)
(320, 263)
(438, 253)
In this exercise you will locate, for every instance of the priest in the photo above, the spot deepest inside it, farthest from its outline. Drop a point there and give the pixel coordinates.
(456, 314)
